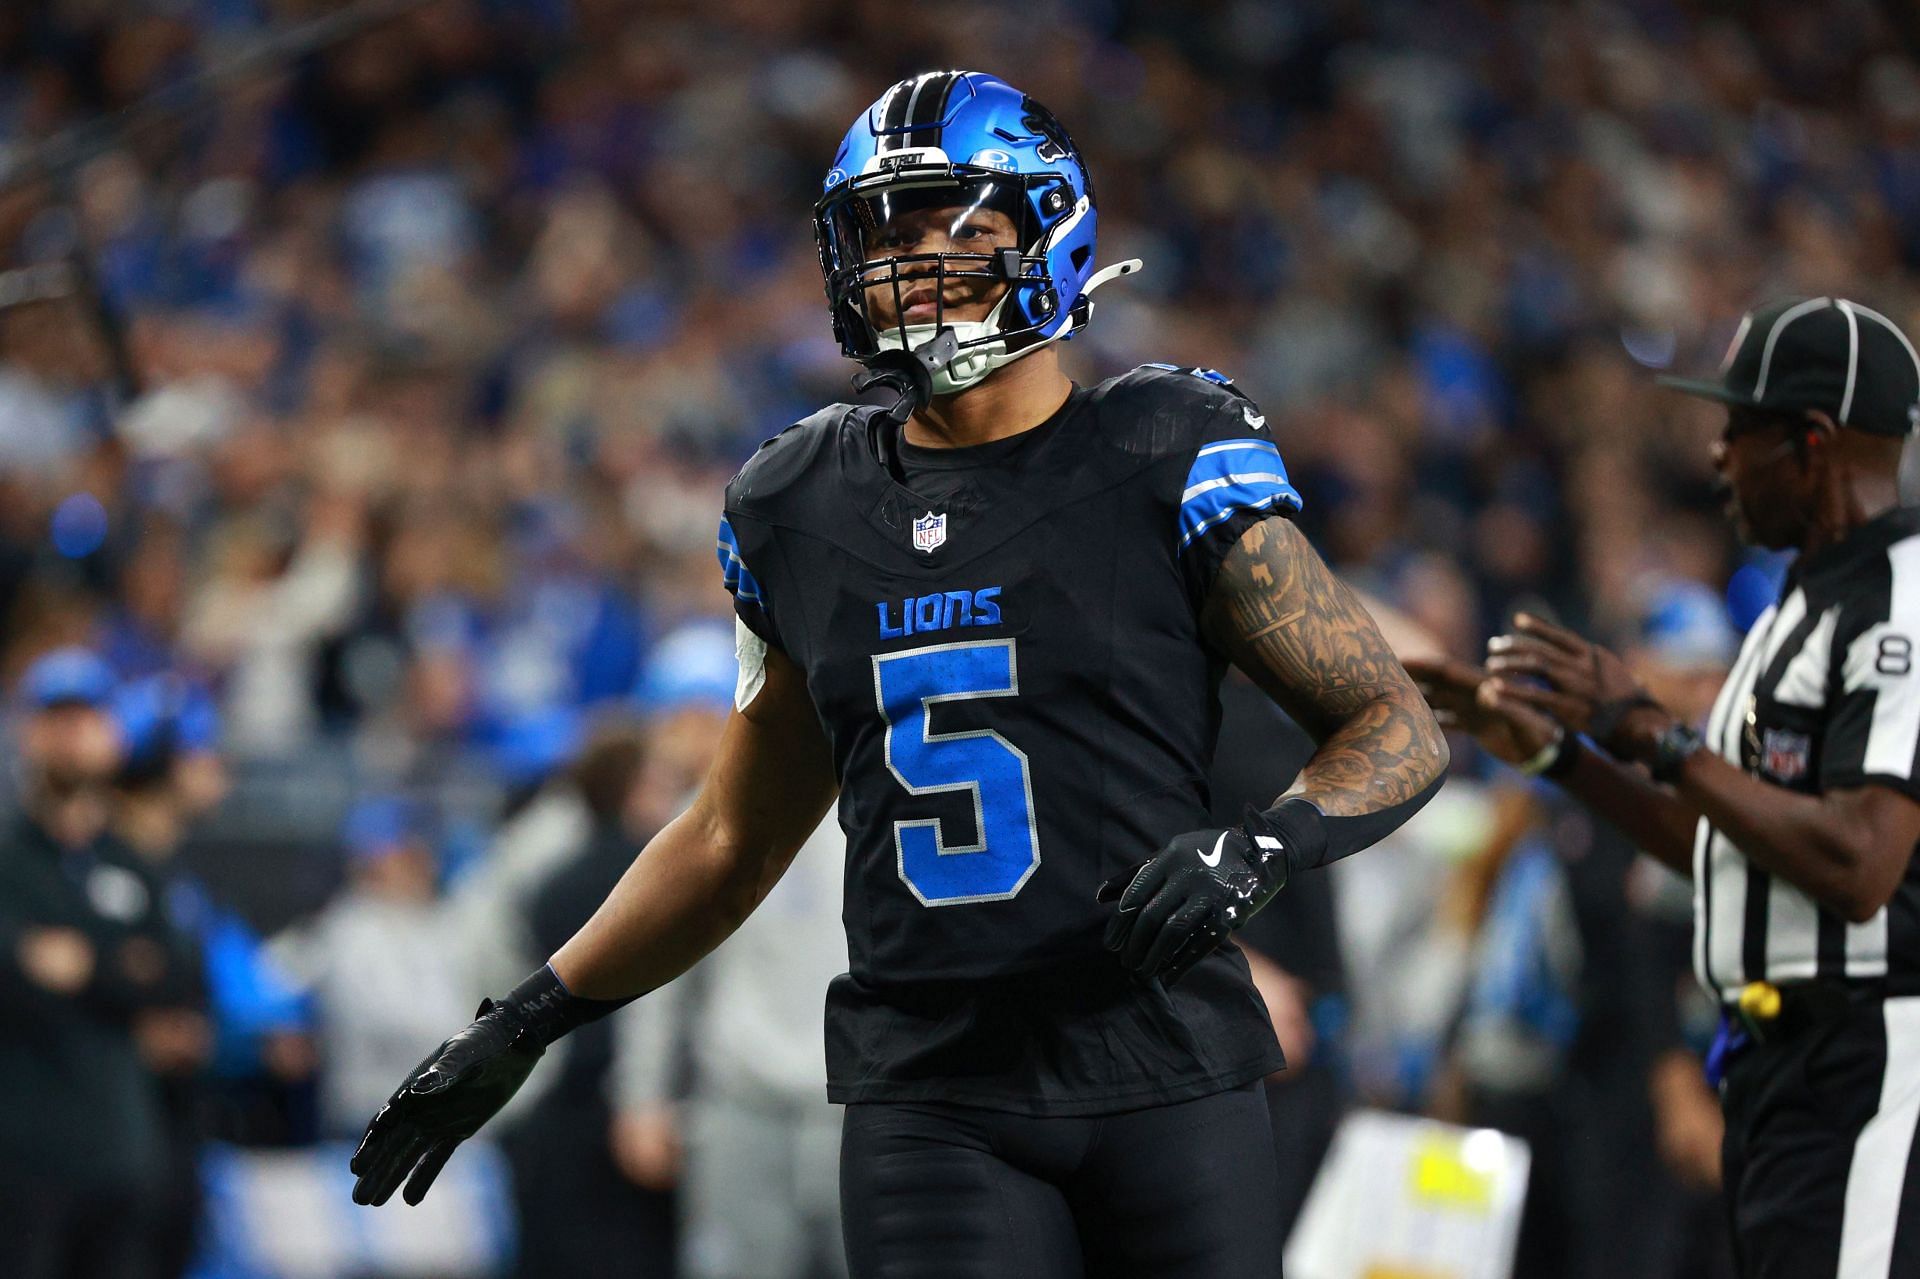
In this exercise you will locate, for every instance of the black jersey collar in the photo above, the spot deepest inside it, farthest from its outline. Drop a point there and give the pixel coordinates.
(922, 457)
(1005, 486)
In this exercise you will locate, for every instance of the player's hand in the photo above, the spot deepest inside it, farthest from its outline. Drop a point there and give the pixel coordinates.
(1172, 911)
(1589, 689)
(460, 1086)
(1463, 696)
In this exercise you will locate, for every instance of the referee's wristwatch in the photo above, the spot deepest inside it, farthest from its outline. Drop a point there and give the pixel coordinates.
(1671, 751)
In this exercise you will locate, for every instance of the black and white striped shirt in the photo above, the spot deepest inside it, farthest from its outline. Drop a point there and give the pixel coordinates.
(1825, 695)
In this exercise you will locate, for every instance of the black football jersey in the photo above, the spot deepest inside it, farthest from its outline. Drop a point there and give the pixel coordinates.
(1005, 654)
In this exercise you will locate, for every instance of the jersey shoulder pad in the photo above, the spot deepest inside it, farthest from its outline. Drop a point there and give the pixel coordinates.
(1160, 410)
(780, 464)
(1209, 445)
(1159, 369)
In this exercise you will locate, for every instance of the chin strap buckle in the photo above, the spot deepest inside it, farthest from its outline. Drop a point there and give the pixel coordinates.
(909, 374)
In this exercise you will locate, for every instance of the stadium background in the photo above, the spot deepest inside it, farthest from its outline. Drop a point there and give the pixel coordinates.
(448, 335)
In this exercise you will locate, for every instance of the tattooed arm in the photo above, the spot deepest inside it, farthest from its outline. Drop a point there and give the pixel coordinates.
(1285, 620)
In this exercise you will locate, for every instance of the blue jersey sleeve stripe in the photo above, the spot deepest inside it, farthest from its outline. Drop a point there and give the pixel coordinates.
(733, 569)
(1244, 479)
(1195, 526)
(1229, 476)
(1235, 457)
(739, 580)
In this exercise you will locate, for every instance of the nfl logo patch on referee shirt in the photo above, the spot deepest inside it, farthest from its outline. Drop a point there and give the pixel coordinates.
(1784, 754)
(929, 531)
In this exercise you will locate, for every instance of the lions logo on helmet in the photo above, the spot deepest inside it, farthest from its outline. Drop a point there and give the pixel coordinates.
(960, 139)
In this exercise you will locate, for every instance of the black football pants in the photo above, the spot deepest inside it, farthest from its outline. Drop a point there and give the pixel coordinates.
(1821, 1169)
(935, 1191)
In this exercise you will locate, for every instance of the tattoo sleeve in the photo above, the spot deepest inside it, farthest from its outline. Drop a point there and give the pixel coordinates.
(1282, 617)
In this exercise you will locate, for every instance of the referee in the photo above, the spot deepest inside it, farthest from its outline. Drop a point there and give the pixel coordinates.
(1797, 811)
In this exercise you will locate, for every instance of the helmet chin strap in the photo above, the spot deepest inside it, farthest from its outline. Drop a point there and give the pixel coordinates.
(909, 375)
(965, 366)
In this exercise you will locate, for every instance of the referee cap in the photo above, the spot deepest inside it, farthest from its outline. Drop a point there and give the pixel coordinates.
(1844, 359)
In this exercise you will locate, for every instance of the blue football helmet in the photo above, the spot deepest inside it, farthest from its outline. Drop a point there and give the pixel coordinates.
(964, 141)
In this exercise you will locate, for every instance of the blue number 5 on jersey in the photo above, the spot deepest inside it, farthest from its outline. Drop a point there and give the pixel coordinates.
(980, 762)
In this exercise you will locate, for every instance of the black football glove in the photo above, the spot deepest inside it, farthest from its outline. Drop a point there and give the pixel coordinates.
(1175, 909)
(462, 1084)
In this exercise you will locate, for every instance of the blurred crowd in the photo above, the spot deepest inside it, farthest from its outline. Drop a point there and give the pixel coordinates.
(396, 547)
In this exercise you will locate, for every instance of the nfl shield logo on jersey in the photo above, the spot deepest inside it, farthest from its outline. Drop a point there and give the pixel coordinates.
(929, 531)
(1784, 755)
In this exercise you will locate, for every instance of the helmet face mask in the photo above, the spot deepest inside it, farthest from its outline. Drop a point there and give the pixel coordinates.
(930, 154)
(969, 238)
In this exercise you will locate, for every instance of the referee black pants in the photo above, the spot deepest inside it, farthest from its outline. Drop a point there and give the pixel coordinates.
(1819, 1161)
(1186, 1191)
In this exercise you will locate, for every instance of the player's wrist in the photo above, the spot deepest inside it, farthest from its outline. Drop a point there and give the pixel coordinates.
(1558, 758)
(1672, 750)
(542, 1007)
(1544, 759)
(1300, 832)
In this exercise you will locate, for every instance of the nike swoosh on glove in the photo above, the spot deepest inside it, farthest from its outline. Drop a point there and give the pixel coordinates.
(1173, 910)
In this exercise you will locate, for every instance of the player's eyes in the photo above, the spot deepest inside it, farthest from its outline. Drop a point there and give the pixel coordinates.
(889, 242)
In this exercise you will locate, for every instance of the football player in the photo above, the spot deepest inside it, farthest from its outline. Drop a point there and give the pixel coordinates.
(996, 632)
